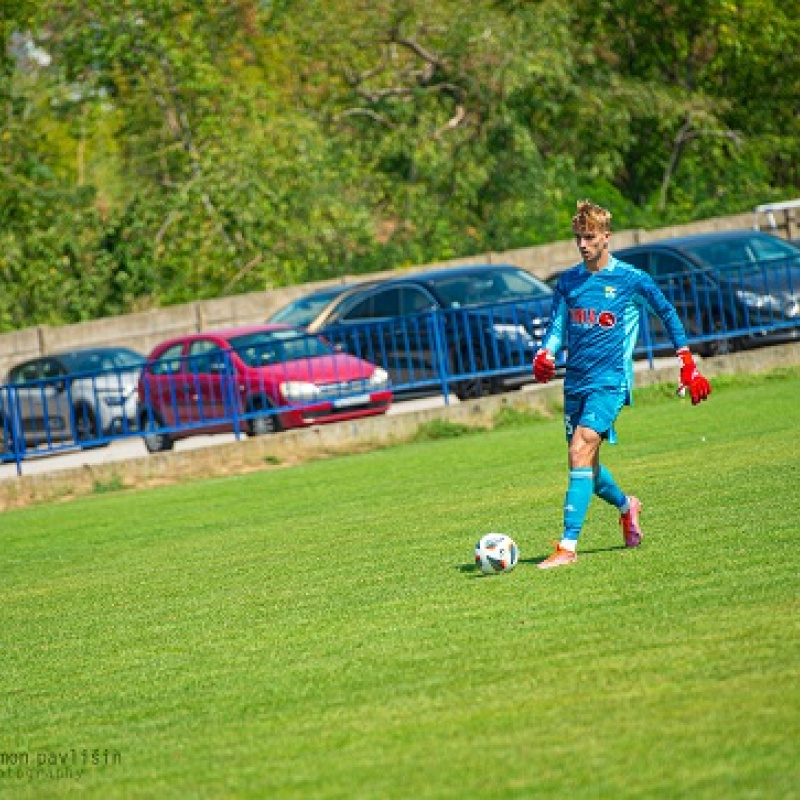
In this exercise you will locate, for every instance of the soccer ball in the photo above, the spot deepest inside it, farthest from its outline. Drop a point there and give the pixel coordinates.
(496, 552)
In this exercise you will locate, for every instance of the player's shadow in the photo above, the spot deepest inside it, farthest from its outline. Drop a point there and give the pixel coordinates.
(473, 571)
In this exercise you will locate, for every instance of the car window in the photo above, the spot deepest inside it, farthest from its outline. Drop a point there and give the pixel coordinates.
(415, 300)
(23, 373)
(489, 286)
(453, 291)
(767, 248)
(205, 357)
(169, 362)
(123, 358)
(663, 264)
(386, 303)
(52, 369)
(302, 311)
(728, 253)
(361, 310)
(264, 348)
(639, 260)
(85, 362)
(380, 304)
(518, 283)
(98, 361)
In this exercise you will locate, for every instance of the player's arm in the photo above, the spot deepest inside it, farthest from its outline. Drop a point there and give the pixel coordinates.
(691, 379)
(544, 364)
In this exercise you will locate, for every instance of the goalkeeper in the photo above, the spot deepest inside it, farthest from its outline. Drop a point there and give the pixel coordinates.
(595, 318)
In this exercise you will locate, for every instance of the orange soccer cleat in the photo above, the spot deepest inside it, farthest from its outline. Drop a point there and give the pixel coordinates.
(560, 557)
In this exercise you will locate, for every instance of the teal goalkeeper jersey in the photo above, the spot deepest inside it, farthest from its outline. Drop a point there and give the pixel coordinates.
(595, 317)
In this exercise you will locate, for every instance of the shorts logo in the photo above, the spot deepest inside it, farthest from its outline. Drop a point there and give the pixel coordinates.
(606, 319)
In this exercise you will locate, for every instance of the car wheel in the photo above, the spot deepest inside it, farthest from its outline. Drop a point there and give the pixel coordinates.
(86, 428)
(154, 440)
(264, 424)
(721, 345)
(476, 385)
(6, 443)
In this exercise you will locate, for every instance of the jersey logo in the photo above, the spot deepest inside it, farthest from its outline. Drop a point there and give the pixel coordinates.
(606, 319)
(589, 317)
(610, 292)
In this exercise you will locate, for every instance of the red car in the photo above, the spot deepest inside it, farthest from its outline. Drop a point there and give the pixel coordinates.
(259, 378)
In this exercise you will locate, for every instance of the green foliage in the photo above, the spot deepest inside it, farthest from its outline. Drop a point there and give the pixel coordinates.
(443, 429)
(113, 484)
(164, 152)
(510, 417)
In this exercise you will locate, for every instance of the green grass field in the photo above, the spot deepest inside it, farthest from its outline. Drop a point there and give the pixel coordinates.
(319, 631)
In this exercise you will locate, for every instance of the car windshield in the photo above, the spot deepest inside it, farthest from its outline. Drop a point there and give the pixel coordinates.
(275, 347)
(748, 253)
(302, 311)
(101, 360)
(491, 286)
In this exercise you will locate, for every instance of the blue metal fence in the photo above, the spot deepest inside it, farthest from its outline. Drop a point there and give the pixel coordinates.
(468, 352)
(729, 309)
(59, 413)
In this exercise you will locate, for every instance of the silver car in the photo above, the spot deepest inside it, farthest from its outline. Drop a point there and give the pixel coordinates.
(80, 397)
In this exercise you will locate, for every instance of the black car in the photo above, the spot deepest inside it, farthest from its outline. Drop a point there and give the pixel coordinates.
(732, 289)
(475, 327)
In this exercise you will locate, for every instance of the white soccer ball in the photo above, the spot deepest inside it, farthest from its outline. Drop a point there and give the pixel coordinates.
(496, 552)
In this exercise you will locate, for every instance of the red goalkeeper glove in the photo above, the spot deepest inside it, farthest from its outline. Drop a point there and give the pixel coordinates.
(544, 366)
(698, 386)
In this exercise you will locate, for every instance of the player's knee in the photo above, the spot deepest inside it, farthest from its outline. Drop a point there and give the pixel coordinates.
(583, 448)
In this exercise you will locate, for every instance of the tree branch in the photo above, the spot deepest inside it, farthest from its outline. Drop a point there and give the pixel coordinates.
(685, 135)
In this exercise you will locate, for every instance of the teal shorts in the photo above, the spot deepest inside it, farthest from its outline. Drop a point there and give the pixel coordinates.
(597, 410)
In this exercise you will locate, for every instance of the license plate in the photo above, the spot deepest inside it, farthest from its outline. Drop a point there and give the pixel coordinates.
(355, 400)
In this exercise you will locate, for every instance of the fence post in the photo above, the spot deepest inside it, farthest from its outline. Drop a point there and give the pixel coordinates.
(16, 430)
(646, 338)
(233, 399)
(440, 346)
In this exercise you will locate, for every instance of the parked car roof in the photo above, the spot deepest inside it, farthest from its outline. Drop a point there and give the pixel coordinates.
(302, 310)
(87, 359)
(699, 239)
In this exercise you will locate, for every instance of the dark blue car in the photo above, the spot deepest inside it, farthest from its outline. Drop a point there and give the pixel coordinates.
(732, 289)
(478, 327)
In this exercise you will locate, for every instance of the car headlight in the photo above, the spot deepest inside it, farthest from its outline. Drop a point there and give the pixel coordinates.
(379, 379)
(512, 333)
(299, 391)
(758, 301)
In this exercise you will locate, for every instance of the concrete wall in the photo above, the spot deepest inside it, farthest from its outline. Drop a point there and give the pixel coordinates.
(143, 331)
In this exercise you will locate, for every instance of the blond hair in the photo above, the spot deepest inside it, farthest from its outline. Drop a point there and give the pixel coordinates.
(591, 217)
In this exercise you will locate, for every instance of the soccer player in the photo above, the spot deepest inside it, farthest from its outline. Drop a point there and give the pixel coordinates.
(595, 318)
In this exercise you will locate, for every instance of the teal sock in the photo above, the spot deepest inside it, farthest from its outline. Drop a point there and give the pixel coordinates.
(576, 501)
(605, 487)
